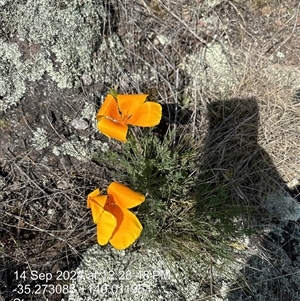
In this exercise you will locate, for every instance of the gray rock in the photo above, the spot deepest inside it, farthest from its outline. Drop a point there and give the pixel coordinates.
(282, 206)
(61, 39)
(12, 86)
(211, 67)
(144, 274)
(79, 124)
(80, 147)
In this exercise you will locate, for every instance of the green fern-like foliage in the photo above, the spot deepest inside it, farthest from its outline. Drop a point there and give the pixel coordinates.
(181, 207)
(154, 167)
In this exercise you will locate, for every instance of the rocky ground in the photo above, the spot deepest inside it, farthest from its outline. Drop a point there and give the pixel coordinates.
(58, 60)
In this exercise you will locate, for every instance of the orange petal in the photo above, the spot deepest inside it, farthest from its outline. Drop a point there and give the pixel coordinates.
(113, 129)
(96, 197)
(105, 227)
(129, 103)
(109, 109)
(148, 114)
(97, 207)
(128, 228)
(124, 196)
(91, 195)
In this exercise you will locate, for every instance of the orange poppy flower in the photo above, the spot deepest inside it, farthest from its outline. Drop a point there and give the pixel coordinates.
(117, 113)
(115, 223)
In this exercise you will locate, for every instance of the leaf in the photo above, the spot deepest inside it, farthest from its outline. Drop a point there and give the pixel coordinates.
(113, 92)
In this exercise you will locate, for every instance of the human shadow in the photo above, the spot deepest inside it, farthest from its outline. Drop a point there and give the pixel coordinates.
(233, 155)
(240, 174)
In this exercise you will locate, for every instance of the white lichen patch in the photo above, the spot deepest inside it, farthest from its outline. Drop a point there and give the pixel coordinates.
(79, 124)
(80, 147)
(66, 32)
(147, 274)
(37, 66)
(12, 86)
(40, 140)
(62, 39)
(89, 112)
(211, 68)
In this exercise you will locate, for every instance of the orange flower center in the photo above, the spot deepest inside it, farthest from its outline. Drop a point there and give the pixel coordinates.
(110, 204)
(123, 119)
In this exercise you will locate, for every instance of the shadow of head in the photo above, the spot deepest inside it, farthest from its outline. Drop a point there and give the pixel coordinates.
(233, 156)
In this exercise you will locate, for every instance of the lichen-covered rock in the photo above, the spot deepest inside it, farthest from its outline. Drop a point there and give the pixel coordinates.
(48, 50)
(61, 39)
(145, 274)
(12, 86)
(212, 68)
(80, 147)
(282, 206)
